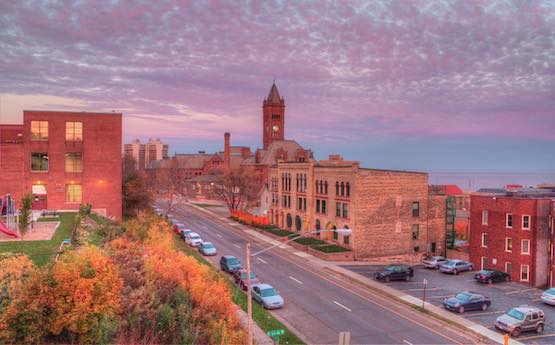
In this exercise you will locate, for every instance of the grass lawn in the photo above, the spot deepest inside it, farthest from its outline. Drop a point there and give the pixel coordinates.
(260, 315)
(307, 241)
(279, 232)
(332, 248)
(42, 252)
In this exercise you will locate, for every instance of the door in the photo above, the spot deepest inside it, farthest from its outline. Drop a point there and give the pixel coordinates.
(39, 197)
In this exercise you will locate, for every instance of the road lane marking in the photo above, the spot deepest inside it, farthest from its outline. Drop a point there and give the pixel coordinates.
(220, 236)
(298, 281)
(420, 289)
(536, 300)
(407, 342)
(204, 227)
(488, 313)
(518, 291)
(236, 245)
(538, 336)
(262, 260)
(342, 306)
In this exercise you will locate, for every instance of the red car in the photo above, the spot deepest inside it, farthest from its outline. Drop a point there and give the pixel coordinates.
(240, 277)
(178, 227)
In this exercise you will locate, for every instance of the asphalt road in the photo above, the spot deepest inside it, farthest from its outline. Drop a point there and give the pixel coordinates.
(318, 304)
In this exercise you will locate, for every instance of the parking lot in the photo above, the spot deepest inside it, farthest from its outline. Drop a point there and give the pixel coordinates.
(503, 296)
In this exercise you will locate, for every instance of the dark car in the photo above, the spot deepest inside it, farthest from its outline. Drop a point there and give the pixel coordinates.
(491, 276)
(395, 272)
(230, 264)
(467, 300)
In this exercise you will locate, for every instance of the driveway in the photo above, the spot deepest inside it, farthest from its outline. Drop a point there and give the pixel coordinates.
(503, 296)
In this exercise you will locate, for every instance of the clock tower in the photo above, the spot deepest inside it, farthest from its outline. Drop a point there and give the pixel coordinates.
(273, 112)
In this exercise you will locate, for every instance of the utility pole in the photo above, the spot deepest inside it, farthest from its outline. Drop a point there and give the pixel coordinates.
(249, 294)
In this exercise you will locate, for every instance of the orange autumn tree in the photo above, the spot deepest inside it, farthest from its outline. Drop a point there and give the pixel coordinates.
(25, 301)
(87, 296)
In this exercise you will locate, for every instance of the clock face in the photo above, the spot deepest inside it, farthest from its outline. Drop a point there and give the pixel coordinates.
(275, 128)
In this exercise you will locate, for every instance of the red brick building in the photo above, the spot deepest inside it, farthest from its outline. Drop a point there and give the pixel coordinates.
(63, 159)
(512, 232)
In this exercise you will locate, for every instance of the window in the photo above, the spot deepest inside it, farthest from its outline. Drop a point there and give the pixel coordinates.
(74, 162)
(298, 223)
(317, 205)
(324, 211)
(335, 233)
(345, 210)
(416, 249)
(483, 263)
(415, 231)
(508, 244)
(485, 240)
(415, 209)
(508, 267)
(346, 240)
(39, 130)
(275, 116)
(39, 161)
(318, 227)
(74, 131)
(74, 193)
(526, 222)
(509, 220)
(484, 217)
(524, 273)
(325, 187)
(338, 209)
(289, 220)
(348, 189)
(342, 188)
(433, 247)
(336, 188)
(525, 247)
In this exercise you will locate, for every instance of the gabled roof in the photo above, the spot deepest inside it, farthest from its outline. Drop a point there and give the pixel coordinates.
(268, 156)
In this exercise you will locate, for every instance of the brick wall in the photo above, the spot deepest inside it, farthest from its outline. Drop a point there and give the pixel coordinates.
(11, 161)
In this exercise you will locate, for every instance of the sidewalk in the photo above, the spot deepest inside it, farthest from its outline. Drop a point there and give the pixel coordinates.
(435, 311)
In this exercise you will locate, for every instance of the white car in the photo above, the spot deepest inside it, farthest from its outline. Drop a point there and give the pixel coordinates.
(193, 239)
(434, 262)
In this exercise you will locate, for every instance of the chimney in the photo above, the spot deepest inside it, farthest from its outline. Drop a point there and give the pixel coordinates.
(227, 153)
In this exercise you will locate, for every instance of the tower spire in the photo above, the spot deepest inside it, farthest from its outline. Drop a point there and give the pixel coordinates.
(273, 95)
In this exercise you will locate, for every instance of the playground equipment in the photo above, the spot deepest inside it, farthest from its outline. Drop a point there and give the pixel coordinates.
(7, 203)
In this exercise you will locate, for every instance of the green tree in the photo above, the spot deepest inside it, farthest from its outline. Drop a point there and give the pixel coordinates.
(25, 214)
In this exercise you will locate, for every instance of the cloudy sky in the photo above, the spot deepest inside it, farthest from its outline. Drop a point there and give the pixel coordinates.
(406, 84)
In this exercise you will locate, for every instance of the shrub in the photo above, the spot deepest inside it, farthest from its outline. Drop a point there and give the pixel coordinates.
(331, 248)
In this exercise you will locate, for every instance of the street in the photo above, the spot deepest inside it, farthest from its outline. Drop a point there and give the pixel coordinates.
(319, 305)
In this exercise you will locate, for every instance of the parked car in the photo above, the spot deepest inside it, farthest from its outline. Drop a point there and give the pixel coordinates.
(183, 234)
(491, 276)
(548, 296)
(207, 248)
(267, 296)
(467, 300)
(395, 272)
(434, 262)
(193, 239)
(178, 227)
(230, 264)
(455, 266)
(240, 277)
(521, 319)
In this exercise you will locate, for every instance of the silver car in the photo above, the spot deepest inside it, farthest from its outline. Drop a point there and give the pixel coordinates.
(434, 262)
(267, 296)
(548, 296)
(207, 248)
(521, 319)
(193, 239)
(455, 266)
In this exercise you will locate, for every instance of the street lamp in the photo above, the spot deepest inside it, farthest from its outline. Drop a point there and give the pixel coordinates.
(343, 231)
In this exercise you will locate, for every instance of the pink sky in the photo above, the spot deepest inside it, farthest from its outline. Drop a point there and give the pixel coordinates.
(362, 78)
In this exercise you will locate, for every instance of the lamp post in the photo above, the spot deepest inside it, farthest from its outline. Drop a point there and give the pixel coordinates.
(344, 232)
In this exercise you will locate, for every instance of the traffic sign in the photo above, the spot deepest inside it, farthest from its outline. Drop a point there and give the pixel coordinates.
(276, 332)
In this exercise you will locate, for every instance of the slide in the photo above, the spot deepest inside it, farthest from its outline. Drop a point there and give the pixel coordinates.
(4, 229)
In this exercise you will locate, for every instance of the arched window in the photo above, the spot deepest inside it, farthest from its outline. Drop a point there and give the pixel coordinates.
(342, 189)
(298, 223)
(318, 227)
(348, 189)
(289, 220)
(336, 188)
(335, 233)
(346, 238)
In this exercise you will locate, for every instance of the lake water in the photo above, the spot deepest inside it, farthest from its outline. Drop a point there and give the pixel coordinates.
(474, 180)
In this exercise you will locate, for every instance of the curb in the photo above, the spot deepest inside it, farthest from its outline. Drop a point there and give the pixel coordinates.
(412, 301)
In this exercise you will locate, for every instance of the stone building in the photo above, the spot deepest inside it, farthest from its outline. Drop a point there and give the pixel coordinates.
(389, 212)
(63, 159)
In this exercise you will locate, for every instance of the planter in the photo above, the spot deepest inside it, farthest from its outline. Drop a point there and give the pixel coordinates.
(339, 256)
